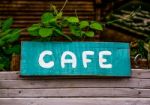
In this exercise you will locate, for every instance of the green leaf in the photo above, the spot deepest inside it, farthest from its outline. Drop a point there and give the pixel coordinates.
(6, 37)
(84, 24)
(45, 32)
(64, 23)
(7, 24)
(2, 66)
(58, 31)
(14, 36)
(4, 62)
(34, 29)
(5, 32)
(15, 49)
(47, 17)
(89, 34)
(53, 8)
(53, 20)
(30, 29)
(62, 34)
(1, 22)
(72, 19)
(59, 15)
(96, 26)
(34, 33)
(2, 42)
(75, 31)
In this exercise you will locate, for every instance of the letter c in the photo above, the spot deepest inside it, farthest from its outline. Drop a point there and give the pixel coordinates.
(42, 63)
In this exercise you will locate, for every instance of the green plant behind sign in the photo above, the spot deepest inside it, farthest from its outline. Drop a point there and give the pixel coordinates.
(53, 23)
(8, 37)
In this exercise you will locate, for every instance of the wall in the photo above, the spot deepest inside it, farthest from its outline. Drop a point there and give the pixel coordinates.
(15, 90)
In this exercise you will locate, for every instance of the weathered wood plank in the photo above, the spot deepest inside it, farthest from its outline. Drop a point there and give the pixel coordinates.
(9, 75)
(38, 13)
(75, 101)
(144, 93)
(60, 2)
(63, 83)
(144, 83)
(42, 9)
(68, 92)
(141, 73)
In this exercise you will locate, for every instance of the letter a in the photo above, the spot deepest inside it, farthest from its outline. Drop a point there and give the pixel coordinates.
(64, 60)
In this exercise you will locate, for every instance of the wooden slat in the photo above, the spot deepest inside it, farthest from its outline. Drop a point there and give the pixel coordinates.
(60, 2)
(144, 83)
(15, 90)
(37, 15)
(141, 73)
(75, 101)
(69, 92)
(73, 83)
(2, 9)
(144, 93)
(9, 75)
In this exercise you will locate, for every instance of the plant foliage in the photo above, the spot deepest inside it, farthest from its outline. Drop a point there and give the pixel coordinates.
(53, 23)
(8, 37)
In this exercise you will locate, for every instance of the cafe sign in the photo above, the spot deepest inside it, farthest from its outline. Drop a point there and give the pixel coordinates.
(75, 59)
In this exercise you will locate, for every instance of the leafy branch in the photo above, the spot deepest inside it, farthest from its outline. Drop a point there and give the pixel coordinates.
(53, 23)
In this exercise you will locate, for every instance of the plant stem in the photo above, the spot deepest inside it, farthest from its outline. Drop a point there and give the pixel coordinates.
(67, 37)
(64, 6)
(76, 13)
(130, 16)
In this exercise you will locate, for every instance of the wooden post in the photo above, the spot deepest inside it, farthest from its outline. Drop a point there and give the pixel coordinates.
(15, 63)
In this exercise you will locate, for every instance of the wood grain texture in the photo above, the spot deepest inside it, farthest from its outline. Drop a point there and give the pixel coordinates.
(69, 83)
(15, 90)
(70, 92)
(75, 101)
(141, 73)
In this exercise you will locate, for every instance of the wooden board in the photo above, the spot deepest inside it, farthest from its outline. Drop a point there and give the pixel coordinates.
(70, 92)
(15, 90)
(71, 83)
(75, 59)
(75, 101)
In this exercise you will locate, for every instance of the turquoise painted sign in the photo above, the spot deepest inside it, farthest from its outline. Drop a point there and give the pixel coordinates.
(75, 59)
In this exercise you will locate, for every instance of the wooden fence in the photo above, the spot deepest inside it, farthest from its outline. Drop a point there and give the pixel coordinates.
(15, 90)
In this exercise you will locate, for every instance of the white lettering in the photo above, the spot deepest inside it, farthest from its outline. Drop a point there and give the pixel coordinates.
(102, 60)
(64, 60)
(84, 57)
(42, 63)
